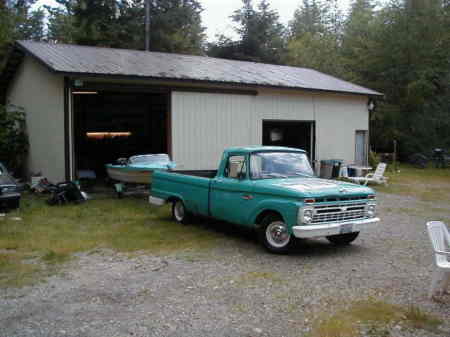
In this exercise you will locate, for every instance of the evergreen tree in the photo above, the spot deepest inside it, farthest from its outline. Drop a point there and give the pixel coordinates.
(357, 42)
(61, 25)
(308, 18)
(175, 24)
(18, 22)
(261, 35)
(409, 58)
(315, 34)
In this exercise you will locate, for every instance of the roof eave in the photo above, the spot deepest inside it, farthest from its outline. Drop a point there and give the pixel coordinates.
(30, 53)
(209, 82)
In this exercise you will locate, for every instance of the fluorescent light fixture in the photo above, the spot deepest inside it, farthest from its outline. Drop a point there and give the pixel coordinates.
(101, 135)
(84, 92)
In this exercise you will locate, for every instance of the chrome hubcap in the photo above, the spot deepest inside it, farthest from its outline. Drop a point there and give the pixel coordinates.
(179, 211)
(277, 234)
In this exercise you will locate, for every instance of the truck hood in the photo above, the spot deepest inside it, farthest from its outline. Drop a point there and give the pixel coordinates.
(310, 187)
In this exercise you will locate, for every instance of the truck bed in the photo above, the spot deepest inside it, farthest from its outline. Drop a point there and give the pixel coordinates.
(198, 173)
(191, 186)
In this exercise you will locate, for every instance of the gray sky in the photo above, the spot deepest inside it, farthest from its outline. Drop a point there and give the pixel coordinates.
(216, 13)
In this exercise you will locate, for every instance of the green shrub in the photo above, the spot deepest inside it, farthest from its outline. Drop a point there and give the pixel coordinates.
(13, 138)
(374, 159)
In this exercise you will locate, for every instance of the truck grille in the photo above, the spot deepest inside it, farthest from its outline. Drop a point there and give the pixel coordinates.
(335, 213)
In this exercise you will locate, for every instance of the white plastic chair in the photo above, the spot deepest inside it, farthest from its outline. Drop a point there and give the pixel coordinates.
(376, 177)
(440, 239)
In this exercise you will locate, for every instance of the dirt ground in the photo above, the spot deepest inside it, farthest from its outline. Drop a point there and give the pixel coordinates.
(236, 288)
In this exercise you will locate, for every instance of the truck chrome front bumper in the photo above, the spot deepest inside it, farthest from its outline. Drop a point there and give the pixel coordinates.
(312, 231)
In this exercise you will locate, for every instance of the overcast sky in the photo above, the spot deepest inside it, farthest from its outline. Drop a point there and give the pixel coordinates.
(216, 13)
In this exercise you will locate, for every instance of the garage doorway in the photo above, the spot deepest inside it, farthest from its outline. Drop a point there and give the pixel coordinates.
(110, 125)
(297, 134)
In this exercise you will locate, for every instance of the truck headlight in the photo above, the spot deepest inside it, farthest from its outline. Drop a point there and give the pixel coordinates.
(371, 211)
(305, 215)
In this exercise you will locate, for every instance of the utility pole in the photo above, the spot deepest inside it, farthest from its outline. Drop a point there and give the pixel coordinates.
(147, 25)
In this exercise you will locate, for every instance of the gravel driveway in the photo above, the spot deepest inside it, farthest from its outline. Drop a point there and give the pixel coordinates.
(236, 289)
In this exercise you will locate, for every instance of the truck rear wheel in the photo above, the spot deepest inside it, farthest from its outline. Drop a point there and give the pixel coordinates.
(179, 212)
(343, 239)
(274, 234)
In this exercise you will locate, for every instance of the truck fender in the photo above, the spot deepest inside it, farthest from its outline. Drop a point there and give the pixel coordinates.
(287, 210)
(174, 197)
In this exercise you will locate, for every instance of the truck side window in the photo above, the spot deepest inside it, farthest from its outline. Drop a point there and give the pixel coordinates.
(236, 166)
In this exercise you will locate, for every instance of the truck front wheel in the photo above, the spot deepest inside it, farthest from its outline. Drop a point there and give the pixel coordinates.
(179, 212)
(343, 239)
(274, 234)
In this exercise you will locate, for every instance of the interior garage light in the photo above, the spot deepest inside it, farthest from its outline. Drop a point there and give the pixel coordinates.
(101, 135)
(276, 135)
(85, 92)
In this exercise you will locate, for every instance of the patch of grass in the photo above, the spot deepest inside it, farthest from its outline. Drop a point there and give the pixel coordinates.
(259, 275)
(375, 311)
(15, 271)
(418, 319)
(241, 308)
(428, 184)
(252, 278)
(54, 233)
(55, 257)
(435, 193)
(335, 327)
(374, 317)
(434, 213)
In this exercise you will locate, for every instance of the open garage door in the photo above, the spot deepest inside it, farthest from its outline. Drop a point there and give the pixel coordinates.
(110, 125)
(297, 134)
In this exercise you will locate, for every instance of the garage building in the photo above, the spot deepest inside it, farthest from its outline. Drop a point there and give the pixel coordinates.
(87, 106)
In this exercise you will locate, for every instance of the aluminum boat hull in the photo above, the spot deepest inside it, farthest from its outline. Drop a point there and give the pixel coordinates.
(130, 176)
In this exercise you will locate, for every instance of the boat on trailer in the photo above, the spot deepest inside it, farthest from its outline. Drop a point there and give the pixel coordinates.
(137, 170)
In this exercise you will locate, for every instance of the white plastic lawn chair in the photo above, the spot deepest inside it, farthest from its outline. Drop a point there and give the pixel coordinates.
(376, 177)
(440, 239)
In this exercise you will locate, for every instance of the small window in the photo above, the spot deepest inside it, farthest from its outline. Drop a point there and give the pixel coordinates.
(236, 167)
(361, 147)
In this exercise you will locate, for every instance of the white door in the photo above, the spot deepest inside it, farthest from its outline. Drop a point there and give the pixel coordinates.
(361, 147)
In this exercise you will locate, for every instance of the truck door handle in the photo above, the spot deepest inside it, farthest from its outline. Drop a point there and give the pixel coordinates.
(247, 196)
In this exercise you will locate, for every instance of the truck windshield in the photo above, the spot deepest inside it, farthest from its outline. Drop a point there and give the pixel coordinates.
(265, 165)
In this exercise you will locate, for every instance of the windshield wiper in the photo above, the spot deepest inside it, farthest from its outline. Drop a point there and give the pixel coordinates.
(301, 174)
(273, 175)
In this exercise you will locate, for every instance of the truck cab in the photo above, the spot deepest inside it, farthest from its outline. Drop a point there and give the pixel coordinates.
(271, 189)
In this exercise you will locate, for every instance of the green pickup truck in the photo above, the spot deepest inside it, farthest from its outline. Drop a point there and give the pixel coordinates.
(272, 189)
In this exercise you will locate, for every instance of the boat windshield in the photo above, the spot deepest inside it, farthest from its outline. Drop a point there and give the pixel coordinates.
(266, 165)
(161, 158)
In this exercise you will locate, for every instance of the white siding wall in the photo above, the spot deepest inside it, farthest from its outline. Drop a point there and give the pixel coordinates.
(337, 119)
(204, 124)
(40, 93)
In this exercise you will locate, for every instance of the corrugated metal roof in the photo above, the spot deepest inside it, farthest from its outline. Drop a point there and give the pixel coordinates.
(84, 60)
